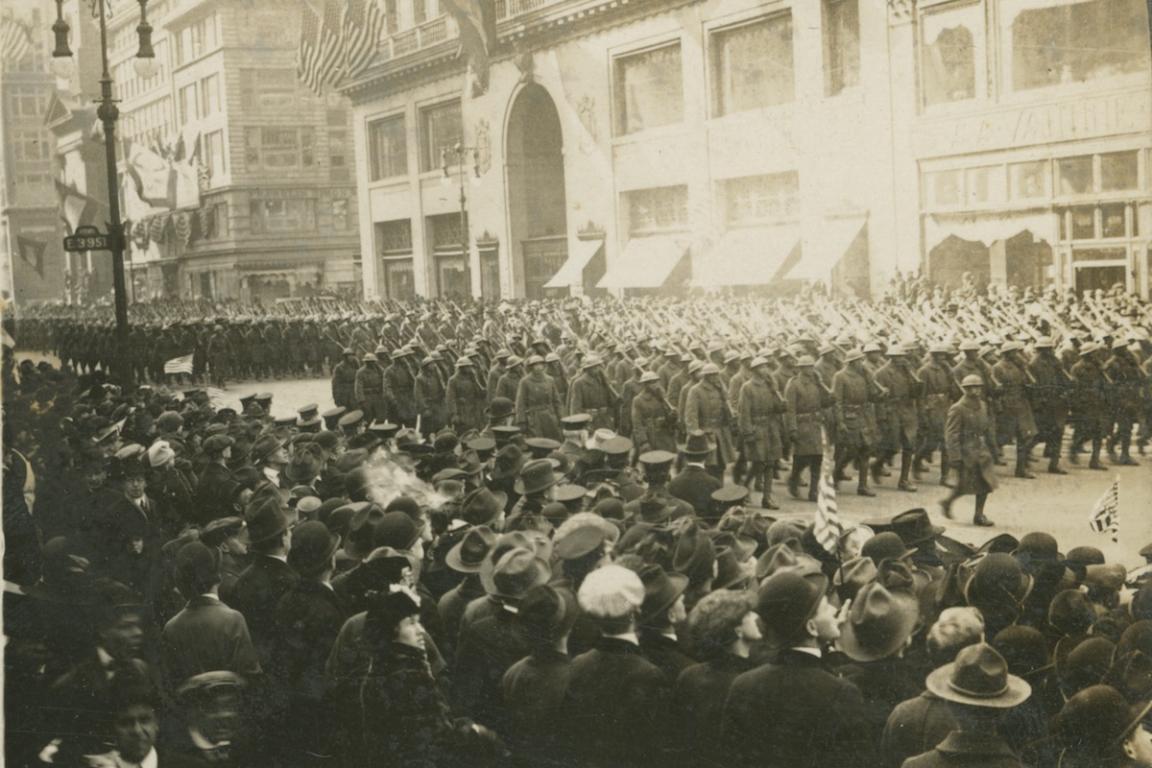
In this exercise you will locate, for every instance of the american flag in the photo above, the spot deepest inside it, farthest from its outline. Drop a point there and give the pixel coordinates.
(15, 40)
(363, 26)
(828, 527)
(1105, 515)
(330, 56)
(306, 54)
(181, 364)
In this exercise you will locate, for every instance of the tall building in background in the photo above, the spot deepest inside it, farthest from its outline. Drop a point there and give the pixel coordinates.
(733, 143)
(32, 267)
(236, 180)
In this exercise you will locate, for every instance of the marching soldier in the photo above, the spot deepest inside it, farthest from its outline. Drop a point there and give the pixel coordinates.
(806, 397)
(429, 391)
(967, 432)
(466, 398)
(368, 390)
(344, 380)
(1014, 420)
(759, 406)
(972, 365)
(939, 386)
(1127, 397)
(400, 389)
(653, 417)
(856, 430)
(1090, 411)
(1049, 391)
(706, 409)
(592, 394)
(537, 402)
(899, 423)
(509, 384)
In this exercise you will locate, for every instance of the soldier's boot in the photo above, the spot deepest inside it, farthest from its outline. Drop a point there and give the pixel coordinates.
(1022, 462)
(1095, 461)
(767, 500)
(794, 481)
(979, 518)
(944, 467)
(877, 469)
(862, 488)
(1054, 465)
(905, 467)
(918, 464)
(1125, 459)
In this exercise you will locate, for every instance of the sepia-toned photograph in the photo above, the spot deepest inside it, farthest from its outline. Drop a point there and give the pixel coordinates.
(576, 383)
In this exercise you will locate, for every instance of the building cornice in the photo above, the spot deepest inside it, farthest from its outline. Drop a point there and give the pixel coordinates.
(537, 28)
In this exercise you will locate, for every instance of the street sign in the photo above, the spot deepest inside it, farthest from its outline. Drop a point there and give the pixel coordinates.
(88, 238)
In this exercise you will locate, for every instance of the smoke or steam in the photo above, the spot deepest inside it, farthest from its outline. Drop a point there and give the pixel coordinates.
(389, 480)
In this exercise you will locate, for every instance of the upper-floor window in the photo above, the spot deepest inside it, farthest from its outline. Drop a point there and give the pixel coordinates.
(1072, 41)
(214, 153)
(188, 103)
(441, 128)
(30, 145)
(952, 52)
(660, 209)
(27, 100)
(196, 39)
(338, 161)
(752, 65)
(286, 215)
(209, 95)
(841, 45)
(387, 148)
(279, 148)
(761, 199)
(648, 89)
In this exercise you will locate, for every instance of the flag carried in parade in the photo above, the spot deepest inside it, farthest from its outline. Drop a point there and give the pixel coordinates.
(1105, 515)
(828, 527)
(181, 364)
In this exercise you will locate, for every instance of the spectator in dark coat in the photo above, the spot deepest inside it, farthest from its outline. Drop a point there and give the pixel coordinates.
(206, 636)
(778, 713)
(309, 617)
(695, 484)
(534, 687)
(466, 557)
(918, 724)
(217, 486)
(721, 629)
(616, 712)
(979, 690)
(662, 611)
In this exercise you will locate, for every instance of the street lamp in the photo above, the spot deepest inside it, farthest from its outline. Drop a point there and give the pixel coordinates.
(454, 155)
(108, 113)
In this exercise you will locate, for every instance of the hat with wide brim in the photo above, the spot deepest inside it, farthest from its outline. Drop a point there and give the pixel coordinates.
(469, 554)
(879, 622)
(536, 476)
(518, 570)
(979, 678)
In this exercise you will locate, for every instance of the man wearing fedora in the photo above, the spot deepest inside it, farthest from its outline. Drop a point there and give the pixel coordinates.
(662, 611)
(534, 485)
(978, 688)
(968, 432)
(465, 558)
(695, 484)
(1099, 728)
(490, 646)
(778, 713)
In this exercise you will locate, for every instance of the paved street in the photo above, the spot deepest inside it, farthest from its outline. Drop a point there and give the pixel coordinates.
(1056, 503)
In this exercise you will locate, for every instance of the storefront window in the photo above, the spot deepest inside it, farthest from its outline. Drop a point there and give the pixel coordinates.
(394, 236)
(841, 45)
(760, 199)
(1029, 180)
(953, 46)
(983, 185)
(1075, 175)
(1058, 43)
(662, 209)
(944, 188)
(649, 90)
(1118, 171)
(399, 283)
(752, 65)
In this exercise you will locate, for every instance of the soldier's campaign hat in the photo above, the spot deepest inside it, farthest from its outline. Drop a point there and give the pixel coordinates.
(1119, 344)
(872, 346)
(805, 361)
(368, 357)
(969, 345)
(464, 362)
(1044, 342)
(648, 377)
(332, 416)
(757, 362)
(897, 350)
(709, 369)
(854, 354)
(590, 361)
(972, 380)
(534, 360)
(940, 349)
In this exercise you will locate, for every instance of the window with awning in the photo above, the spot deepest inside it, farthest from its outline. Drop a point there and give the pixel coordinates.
(646, 262)
(572, 271)
(749, 256)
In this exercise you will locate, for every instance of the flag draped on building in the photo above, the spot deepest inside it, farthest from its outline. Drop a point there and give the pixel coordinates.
(363, 26)
(32, 253)
(77, 208)
(15, 40)
(330, 56)
(1105, 517)
(828, 527)
(477, 22)
(306, 53)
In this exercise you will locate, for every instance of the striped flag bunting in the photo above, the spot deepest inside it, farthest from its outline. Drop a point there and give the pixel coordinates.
(306, 54)
(15, 40)
(1105, 517)
(828, 527)
(182, 364)
(363, 25)
(330, 58)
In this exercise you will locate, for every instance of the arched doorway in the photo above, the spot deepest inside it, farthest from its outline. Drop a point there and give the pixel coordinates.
(536, 205)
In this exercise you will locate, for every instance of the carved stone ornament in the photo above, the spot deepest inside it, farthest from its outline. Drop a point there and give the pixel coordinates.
(901, 10)
(483, 146)
(586, 111)
(526, 63)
